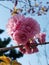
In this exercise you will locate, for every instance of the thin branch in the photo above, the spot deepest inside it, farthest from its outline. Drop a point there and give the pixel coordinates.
(29, 3)
(5, 7)
(22, 2)
(9, 48)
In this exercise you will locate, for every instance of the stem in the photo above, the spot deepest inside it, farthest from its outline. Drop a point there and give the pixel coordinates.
(5, 6)
(8, 48)
(43, 43)
(29, 3)
(22, 2)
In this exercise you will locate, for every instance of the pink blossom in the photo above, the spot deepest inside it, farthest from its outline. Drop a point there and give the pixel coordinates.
(32, 27)
(27, 49)
(20, 37)
(14, 23)
(22, 28)
(41, 37)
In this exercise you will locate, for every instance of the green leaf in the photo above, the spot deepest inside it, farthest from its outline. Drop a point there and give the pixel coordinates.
(1, 31)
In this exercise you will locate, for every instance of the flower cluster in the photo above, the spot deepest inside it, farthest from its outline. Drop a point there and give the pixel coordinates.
(41, 37)
(22, 29)
(29, 48)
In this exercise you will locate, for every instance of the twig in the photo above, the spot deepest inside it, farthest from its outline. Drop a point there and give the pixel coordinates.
(29, 3)
(22, 1)
(9, 48)
(5, 7)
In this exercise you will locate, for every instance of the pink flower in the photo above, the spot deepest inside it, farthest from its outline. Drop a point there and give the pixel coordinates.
(30, 26)
(20, 37)
(21, 28)
(14, 23)
(27, 49)
(41, 37)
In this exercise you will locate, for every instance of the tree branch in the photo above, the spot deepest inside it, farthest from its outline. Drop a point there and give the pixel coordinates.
(5, 7)
(9, 48)
(29, 3)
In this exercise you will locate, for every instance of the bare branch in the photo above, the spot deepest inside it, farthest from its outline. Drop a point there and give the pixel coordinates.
(9, 48)
(5, 6)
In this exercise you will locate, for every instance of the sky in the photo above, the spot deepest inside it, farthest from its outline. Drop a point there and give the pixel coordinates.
(40, 58)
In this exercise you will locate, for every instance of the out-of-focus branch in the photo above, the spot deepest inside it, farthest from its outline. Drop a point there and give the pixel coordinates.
(5, 6)
(9, 48)
(29, 3)
(22, 1)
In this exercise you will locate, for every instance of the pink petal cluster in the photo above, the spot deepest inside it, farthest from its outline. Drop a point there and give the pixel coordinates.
(14, 23)
(30, 47)
(21, 29)
(20, 37)
(27, 49)
(41, 37)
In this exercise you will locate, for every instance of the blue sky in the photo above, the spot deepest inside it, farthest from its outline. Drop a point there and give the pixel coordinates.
(36, 58)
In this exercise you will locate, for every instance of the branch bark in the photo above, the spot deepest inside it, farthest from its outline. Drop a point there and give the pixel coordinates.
(12, 47)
